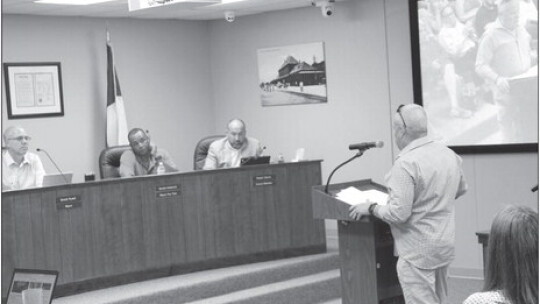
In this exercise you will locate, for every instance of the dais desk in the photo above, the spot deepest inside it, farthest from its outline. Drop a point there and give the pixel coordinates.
(111, 232)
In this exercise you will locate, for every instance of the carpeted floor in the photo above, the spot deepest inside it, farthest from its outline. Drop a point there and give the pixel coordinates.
(303, 280)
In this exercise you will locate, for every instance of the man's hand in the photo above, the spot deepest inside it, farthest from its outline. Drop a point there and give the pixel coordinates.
(357, 211)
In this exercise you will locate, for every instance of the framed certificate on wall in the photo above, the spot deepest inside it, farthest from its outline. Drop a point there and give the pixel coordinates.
(33, 90)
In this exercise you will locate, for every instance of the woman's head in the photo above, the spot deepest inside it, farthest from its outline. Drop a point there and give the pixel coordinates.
(513, 255)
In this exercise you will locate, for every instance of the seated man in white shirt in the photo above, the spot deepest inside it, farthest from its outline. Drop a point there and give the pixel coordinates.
(228, 151)
(20, 169)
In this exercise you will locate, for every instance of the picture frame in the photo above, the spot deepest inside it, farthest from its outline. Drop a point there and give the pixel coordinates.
(33, 89)
(471, 128)
(292, 75)
(32, 286)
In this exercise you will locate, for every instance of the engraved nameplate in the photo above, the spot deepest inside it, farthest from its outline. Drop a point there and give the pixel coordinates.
(167, 194)
(264, 180)
(167, 187)
(68, 202)
(167, 191)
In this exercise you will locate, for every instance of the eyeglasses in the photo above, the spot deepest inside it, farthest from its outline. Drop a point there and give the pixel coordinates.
(401, 115)
(21, 138)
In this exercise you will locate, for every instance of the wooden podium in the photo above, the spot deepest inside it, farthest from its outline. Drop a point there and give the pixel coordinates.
(366, 249)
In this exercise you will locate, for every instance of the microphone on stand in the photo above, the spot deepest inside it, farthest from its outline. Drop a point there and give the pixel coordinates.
(52, 161)
(535, 188)
(366, 145)
(361, 147)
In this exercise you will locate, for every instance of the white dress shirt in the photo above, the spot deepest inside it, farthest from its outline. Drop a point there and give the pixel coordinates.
(28, 174)
(222, 155)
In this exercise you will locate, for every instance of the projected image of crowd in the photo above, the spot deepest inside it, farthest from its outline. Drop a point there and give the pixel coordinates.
(479, 69)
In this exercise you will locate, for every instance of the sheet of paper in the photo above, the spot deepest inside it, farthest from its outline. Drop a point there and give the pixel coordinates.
(532, 72)
(353, 196)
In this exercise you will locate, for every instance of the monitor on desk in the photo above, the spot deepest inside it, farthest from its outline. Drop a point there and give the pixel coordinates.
(57, 179)
(254, 160)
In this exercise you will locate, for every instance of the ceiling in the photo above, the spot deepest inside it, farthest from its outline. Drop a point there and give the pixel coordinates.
(193, 10)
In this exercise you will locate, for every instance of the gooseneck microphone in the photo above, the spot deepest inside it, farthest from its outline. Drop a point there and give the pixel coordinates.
(52, 161)
(366, 145)
(361, 147)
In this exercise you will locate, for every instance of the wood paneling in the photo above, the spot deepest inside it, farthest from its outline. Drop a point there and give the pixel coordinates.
(132, 230)
(357, 255)
(122, 228)
(368, 264)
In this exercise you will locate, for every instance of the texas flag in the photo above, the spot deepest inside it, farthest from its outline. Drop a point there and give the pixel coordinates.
(117, 130)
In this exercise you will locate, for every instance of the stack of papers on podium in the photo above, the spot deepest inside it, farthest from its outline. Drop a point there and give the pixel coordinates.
(353, 196)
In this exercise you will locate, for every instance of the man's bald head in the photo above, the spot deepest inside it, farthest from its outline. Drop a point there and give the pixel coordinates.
(236, 123)
(236, 133)
(16, 141)
(10, 131)
(410, 125)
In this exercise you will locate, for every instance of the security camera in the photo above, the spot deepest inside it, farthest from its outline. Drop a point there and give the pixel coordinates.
(327, 10)
(327, 7)
(229, 16)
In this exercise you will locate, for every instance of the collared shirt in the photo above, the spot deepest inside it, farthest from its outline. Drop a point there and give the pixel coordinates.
(132, 165)
(222, 155)
(423, 184)
(28, 174)
(502, 52)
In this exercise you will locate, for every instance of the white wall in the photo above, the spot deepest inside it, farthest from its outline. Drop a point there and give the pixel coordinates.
(163, 71)
(369, 72)
(357, 108)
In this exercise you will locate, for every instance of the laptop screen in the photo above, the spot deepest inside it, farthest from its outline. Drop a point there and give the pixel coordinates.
(57, 179)
(261, 160)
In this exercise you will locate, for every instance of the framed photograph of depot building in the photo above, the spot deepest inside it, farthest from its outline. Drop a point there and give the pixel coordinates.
(292, 75)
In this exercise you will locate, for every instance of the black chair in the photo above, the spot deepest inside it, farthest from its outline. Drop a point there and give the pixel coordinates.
(201, 150)
(109, 161)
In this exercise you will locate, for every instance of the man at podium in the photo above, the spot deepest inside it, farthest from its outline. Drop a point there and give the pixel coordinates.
(423, 184)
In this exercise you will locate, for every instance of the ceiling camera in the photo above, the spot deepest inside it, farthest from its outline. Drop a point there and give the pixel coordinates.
(327, 10)
(327, 7)
(229, 16)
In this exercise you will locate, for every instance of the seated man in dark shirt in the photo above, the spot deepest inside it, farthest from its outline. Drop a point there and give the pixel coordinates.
(144, 156)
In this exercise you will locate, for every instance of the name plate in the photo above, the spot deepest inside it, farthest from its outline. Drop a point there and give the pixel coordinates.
(68, 202)
(167, 188)
(264, 180)
(167, 191)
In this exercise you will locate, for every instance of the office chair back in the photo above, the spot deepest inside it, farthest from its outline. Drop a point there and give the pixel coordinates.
(201, 150)
(109, 161)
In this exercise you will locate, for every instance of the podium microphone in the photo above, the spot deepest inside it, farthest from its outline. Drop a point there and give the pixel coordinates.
(535, 188)
(52, 161)
(366, 145)
(361, 147)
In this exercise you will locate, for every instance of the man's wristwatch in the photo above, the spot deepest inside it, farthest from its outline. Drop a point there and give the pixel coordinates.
(372, 208)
